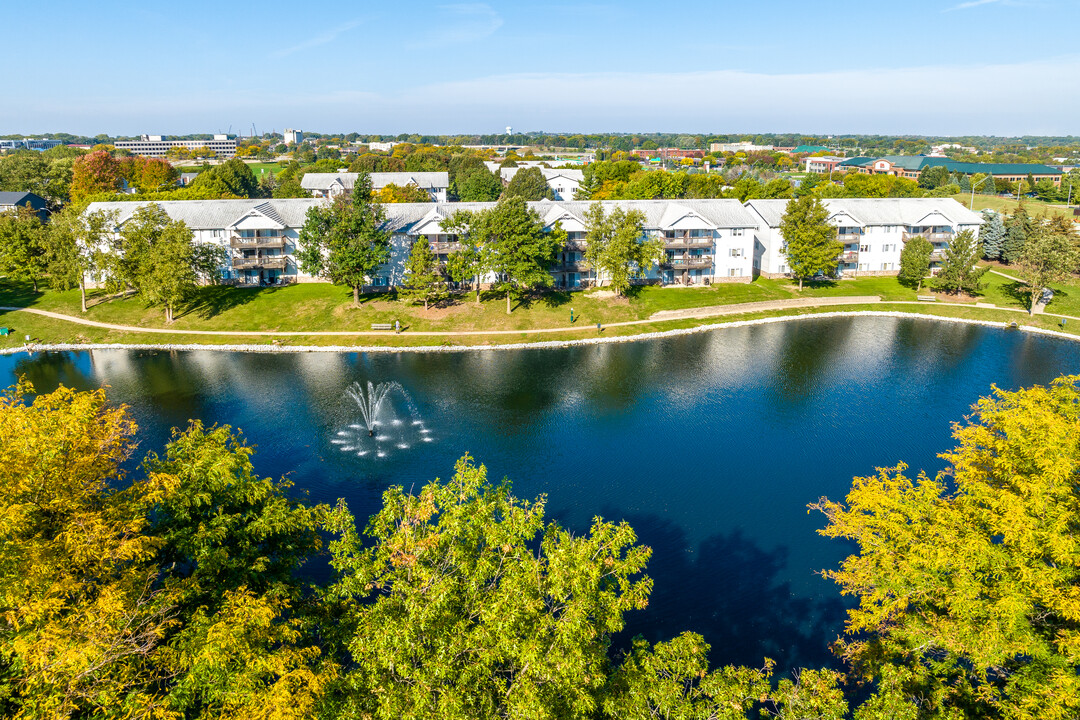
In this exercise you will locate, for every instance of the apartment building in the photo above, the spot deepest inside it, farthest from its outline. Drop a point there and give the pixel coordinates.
(705, 241)
(154, 146)
(330, 185)
(872, 230)
(564, 183)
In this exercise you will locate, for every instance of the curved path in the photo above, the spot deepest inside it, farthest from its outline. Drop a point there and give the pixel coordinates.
(664, 315)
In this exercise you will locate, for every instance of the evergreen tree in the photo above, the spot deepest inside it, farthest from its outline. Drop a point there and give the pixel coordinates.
(915, 261)
(992, 235)
(810, 241)
(964, 182)
(422, 278)
(959, 271)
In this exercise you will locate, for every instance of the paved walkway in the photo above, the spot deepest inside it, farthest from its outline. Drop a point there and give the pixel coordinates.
(662, 316)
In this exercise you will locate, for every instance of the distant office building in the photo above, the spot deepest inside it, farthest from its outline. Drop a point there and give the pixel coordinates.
(293, 137)
(154, 146)
(738, 147)
(29, 144)
(822, 165)
(10, 201)
(911, 166)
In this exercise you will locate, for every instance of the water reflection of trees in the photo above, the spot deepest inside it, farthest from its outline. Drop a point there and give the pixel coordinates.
(728, 589)
(47, 371)
(802, 354)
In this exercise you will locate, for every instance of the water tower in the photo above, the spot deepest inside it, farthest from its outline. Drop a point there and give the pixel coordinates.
(509, 130)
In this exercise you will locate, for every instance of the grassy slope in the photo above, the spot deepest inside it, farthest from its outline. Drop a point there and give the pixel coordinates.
(321, 307)
(1008, 206)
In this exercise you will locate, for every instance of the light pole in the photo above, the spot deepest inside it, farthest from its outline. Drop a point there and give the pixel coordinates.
(971, 205)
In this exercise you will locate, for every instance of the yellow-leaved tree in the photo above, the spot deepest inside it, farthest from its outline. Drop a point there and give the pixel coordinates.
(968, 584)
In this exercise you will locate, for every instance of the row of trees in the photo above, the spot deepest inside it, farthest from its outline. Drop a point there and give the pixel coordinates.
(175, 589)
(151, 254)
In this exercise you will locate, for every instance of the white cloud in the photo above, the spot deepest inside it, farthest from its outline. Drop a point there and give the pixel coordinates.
(323, 39)
(977, 3)
(460, 24)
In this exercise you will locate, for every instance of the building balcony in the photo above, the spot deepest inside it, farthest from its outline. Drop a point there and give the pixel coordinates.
(932, 237)
(688, 243)
(243, 243)
(937, 255)
(267, 262)
(445, 248)
(849, 256)
(693, 262)
(578, 245)
(572, 266)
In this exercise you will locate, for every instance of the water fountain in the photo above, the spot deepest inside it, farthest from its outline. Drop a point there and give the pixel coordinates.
(390, 421)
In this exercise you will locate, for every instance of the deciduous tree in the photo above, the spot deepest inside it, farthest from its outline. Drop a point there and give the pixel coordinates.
(915, 261)
(346, 242)
(423, 281)
(617, 247)
(76, 242)
(23, 250)
(810, 243)
(966, 583)
(528, 184)
(94, 173)
(1047, 257)
(959, 268)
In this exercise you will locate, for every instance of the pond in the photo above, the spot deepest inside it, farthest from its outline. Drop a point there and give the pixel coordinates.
(711, 445)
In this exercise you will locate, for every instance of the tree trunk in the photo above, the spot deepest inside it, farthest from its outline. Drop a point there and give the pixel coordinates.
(919, 286)
(168, 314)
(800, 283)
(34, 280)
(356, 295)
(82, 294)
(477, 289)
(425, 303)
(507, 302)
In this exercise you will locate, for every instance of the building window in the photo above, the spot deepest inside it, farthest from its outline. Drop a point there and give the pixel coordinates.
(736, 252)
(864, 248)
(737, 232)
(889, 247)
(864, 266)
(734, 272)
(886, 266)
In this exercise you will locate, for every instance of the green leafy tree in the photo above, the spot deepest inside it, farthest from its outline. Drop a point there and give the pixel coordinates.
(1017, 228)
(966, 583)
(528, 184)
(231, 179)
(480, 185)
(810, 243)
(992, 234)
(410, 193)
(158, 258)
(346, 242)
(76, 240)
(466, 265)
(617, 247)
(423, 281)
(959, 268)
(915, 261)
(23, 250)
(931, 178)
(1048, 257)
(514, 243)
(465, 603)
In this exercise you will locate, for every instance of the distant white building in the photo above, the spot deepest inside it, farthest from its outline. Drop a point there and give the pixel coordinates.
(382, 146)
(293, 137)
(328, 185)
(154, 146)
(738, 147)
(872, 230)
(563, 182)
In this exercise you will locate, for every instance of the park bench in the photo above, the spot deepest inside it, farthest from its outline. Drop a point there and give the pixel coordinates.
(926, 298)
(382, 326)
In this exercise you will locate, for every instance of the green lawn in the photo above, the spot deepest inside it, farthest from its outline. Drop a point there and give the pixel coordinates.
(1004, 292)
(1008, 205)
(324, 307)
(264, 167)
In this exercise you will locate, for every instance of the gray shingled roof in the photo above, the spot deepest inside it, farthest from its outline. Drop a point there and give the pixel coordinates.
(20, 197)
(379, 180)
(877, 211)
(211, 214)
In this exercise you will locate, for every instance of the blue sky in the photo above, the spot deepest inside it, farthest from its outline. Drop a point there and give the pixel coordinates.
(848, 66)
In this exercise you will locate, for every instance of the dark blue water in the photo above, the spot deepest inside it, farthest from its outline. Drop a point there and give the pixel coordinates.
(710, 445)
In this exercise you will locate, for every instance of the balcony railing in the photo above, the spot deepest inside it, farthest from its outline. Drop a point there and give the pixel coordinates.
(688, 242)
(572, 266)
(850, 256)
(931, 236)
(445, 247)
(691, 262)
(937, 255)
(242, 243)
(275, 262)
(576, 245)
